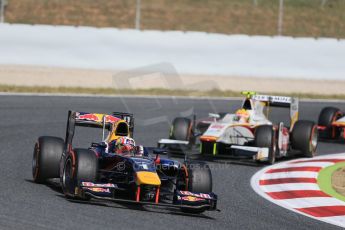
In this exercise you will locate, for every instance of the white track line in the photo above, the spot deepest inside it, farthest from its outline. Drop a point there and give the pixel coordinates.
(311, 202)
(292, 186)
(289, 175)
(306, 164)
(331, 156)
(336, 219)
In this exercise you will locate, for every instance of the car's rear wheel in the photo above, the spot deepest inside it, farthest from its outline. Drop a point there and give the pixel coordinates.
(46, 158)
(326, 117)
(80, 165)
(264, 137)
(304, 137)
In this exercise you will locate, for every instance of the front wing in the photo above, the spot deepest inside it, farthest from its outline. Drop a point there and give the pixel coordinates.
(181, 199)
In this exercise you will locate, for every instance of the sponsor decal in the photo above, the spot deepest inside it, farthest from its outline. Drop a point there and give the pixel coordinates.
(111, 119)
(198, 195)
(280, 99)
(88, 117)
(207, 122)
(215, 130)
(90, 184)
(97, 117)
(104, 190)
(190, 198)
(217, 126)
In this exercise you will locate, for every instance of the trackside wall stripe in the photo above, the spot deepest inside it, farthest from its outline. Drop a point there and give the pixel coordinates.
(324, 211)
(295, 169)
(318, 160)
(287, 180)
(297, 194)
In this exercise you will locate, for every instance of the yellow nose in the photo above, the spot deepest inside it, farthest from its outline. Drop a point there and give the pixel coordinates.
(149, 178)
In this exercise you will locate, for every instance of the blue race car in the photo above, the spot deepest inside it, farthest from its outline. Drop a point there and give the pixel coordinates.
(116, 169)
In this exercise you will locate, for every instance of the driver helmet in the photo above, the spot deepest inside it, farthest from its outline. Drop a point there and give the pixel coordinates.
(125, 146)
(242, 116)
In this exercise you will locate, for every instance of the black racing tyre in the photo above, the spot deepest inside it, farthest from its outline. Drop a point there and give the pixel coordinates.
(199, 180)
(199, 177)
(264, 137)
(85, 169)
(326, 117)
(46, 158)
(181, 129)
(304, 137)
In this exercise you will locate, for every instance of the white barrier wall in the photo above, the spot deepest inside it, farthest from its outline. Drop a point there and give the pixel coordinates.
(189, 53)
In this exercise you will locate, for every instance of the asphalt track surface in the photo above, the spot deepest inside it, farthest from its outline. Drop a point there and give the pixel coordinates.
(25, 205)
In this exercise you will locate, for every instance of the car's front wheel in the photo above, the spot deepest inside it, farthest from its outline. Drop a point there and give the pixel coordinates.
(81, 165)
(195, 177)
(264, 137)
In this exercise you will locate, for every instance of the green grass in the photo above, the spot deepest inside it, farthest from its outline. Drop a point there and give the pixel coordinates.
(325, 183)
(301, 17)
(149, 92)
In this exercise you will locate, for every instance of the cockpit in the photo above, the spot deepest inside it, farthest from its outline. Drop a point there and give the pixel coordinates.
(247, 105)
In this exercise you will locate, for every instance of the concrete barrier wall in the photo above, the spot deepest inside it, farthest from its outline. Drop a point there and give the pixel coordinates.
(187, 53)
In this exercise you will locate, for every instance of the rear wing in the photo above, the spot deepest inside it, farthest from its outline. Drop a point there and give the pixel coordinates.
(278, 101)
(275, 101)
(94, 120)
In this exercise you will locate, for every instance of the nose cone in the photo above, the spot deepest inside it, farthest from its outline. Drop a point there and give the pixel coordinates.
(148, 178)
